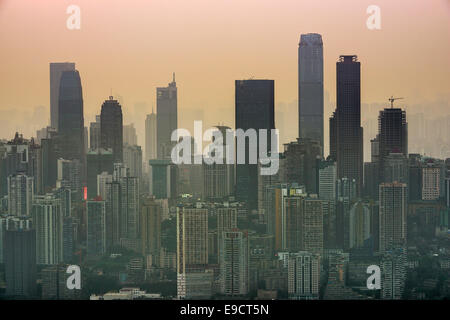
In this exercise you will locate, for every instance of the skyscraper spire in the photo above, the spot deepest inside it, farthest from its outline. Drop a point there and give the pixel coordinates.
(173, 75)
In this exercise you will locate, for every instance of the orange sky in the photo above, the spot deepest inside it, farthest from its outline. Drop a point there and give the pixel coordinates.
(133, 46)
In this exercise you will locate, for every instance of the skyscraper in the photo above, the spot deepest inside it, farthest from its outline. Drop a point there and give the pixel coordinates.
(310, 87)
(392, 138)
(56, 70)
(234, 263)
(303, 275)
(349, 133)
(70, 117)
(301, 163)
(254, 109)
(129, 135)
(96, 227)
(48, 221)
(98, 161)
(150, 138)
(393, 214)
(166, 117)
(151, 217)
(20, 259)
(192, 246)
(219, 177)
(111, 128)
(69, 177)
(20, 195)
(132, 158)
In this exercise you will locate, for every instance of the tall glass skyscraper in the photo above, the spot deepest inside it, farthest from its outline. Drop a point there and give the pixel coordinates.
(166, 117)
(347, 120)
(70, 117)
(310, 87)
(254, 109)
(56, 70)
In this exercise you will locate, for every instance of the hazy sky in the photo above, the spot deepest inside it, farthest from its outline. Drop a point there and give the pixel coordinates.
(133, 46)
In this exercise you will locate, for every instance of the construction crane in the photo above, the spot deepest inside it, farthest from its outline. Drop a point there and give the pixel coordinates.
(392, 99)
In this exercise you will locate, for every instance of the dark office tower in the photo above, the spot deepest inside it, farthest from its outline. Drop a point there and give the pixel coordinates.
(254, 109)
(70, 117)
(349, 133)
(20, 260)
(56, 70)
(111, 128)
(310, 87)
(392, 137)
(166, 117)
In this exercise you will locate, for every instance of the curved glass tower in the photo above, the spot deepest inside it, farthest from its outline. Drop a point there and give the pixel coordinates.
(70, 117)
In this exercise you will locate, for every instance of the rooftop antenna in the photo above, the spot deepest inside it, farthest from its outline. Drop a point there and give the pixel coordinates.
(173, 76)
(392, 99)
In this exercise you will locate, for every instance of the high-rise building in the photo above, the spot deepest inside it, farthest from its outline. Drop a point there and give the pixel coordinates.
(102, 179)
(132, 158)
(150, 138)
(395, 168)
(254, 109)
(151, 218)
(431, 182)
(98, 161)
(129, 135)
(310, 87)
(56, 70)
(327, 180)
(393, 213)
(96, 227)
(303, 275)
(349, 133)
(70, 117)
(69, 174)
(301, 163)
(393, 273)
(111, 128)
(393, 132)
(219, 177)
(48, 218)
(19, 155)
(166, 117)
(192, 238)
(160, 178)
(47, 164)
(192, 245)
(234, 263)
(20, 195)
(360, 218)
(94, 134)
(226, 221)
(301, 223)
(19, 250)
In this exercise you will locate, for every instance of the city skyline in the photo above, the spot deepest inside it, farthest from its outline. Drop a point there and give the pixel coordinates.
(391, 67)
(301, 187)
